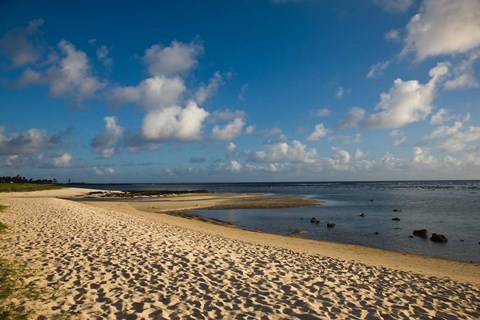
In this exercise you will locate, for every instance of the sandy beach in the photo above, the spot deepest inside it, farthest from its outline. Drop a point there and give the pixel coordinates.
(124, 260)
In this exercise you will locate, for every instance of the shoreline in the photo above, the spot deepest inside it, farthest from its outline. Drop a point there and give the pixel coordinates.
(426, 265)
(183, 205)
(110, 260)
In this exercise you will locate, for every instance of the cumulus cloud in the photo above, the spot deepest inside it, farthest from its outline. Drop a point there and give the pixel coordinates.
(206, 91)
(463, 74)
(19, 46)
(377, 69)
(103, 171)
(283, 152)
(175, 123)
(71, 76)
(391, 162)
(406, 101)
(152, 93)
(423, 157)
(319, 132)
(105, 142)
(443, 27)
(340, 159)
(394, 6)
(229, 131)
(178, 58)
(441, 116)
(235, 166)
(231, 147)
(399, 137)
(63, 160)
(453, 138)
(26, 142)
(354, 116)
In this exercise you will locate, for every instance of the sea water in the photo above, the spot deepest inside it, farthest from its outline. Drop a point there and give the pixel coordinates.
(451, 208)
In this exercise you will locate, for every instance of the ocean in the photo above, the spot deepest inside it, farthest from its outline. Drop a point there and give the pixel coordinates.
(451, 208)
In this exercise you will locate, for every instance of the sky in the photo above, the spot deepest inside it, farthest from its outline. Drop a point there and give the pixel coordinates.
(240, 91)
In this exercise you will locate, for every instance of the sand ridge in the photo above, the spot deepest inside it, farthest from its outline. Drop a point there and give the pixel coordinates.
(117, 265)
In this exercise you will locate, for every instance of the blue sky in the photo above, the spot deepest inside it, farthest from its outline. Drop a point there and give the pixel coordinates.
(247, 90)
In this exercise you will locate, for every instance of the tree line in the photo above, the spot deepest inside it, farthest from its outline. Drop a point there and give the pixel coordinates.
(20, 179)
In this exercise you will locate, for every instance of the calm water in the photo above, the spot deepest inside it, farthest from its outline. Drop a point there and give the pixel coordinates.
(447, 207)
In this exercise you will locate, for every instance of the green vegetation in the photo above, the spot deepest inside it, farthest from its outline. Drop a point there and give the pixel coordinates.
(11, 287)
(23, 187)
(22, 184)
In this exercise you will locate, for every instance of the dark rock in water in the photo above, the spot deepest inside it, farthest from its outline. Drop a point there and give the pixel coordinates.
(410, 236)
(317, 222)
(396, 219)
(362, 215)
(397, 210)
(376, 232)
(330, 225)
(421, 233)
(313, 220)
(371, 199)
(461, 240)
(438, 238)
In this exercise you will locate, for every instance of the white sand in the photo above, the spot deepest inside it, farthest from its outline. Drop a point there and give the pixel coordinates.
(123, 264)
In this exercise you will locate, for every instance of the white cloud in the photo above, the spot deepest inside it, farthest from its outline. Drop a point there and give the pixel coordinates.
(340, 159)
(178, 58)
(451, 161)
(354, 116)
(152, 93)
(282, 152)
(444, 27)
(175, 123)
(399, 137)
(103, 56)
(464, 74)
(250, 129)
(423, 157)
(393, 35)
(406, 102)
(206, 91)
(63, 160)
(441, 116)
(231, 147)
(229, 131)
(394, 6)
(103, 171)
(377, 69)
(26, 142)
(319, 132)
(445, 131)
(18, 45)
(105, 142)
(390, 162)
(453, 138)
(359, 154)
(235, 166)
(71, 75)
(325, 112)
(227, 115)
(340, 92)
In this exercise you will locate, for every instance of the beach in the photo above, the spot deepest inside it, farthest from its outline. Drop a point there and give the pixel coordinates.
(125, 260)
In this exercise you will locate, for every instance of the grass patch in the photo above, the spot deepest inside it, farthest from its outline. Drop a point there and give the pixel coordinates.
(11, 288)
(24, 187)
